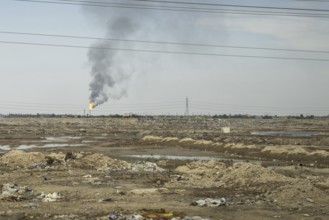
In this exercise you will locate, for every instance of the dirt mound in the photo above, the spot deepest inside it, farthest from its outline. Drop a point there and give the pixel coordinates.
(203, 168)
(99, 162)
(203, 142)
(152, 138)
(249, 174)
(202, 174)
(299, 193)
(295, 150)
(284, 150)
(186, 140)
(321, 153)
(170, 139)
(19, 158)
(242, 146)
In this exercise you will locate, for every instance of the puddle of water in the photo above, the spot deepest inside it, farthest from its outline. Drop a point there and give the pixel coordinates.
(62, 145)
(5, 147)
(89, 141)
(171, 157)
(102, 137)
(24, 147)
(286, 133)
(61, 139)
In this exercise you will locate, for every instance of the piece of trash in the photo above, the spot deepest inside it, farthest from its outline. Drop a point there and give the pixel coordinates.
(13, 192)
(114, 215)
(145, 166)
(50, 197)
(69, 156)
(179, 191)
(210, 202)
(120, 192)
(135, 217)
(160, 214)
(30, 206)
(310, 200)
(106, 200)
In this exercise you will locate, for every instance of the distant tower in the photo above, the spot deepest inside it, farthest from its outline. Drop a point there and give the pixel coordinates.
(186, 108)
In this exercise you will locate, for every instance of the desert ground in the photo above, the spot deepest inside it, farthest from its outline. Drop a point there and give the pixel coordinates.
(164, 168)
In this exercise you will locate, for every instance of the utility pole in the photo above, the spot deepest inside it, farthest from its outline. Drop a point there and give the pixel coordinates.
(186, 108)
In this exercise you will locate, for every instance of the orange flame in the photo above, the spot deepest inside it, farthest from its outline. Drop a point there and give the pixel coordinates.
(91, 105)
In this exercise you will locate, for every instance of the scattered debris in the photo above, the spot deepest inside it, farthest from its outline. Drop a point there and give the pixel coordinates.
(210, 202)
(51, 197)
(13, 192)
(145, 166)
(161, 214)
(31, 206)
(106, 200)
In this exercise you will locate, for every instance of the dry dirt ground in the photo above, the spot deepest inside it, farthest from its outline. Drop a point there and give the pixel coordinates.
(163, 168)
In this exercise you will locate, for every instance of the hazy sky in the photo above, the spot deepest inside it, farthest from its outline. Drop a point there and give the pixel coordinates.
(41, 79)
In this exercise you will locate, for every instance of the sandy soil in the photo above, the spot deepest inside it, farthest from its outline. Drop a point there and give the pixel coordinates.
(158, 168)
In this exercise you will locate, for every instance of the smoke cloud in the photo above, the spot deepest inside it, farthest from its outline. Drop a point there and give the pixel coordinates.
(109, 68)
(107, 76)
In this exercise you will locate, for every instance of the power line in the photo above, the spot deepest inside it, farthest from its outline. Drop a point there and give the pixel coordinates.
(179, 9)
(258, 108)
(163, 104)
(322, 1)
(158, 104)
(79, 105)
(203, 4)
(167, 52)
(249, 106)
(252, 111)
(164, 42)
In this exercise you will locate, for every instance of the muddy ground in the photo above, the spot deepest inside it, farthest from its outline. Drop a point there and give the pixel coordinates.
(163, 168)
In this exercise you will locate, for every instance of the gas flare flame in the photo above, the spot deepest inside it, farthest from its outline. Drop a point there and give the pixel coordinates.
(91, 105)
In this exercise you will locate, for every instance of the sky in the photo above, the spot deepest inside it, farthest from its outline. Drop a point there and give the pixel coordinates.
(45, 79)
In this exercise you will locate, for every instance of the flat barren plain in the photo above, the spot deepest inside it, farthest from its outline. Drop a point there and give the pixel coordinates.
(177, 168)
